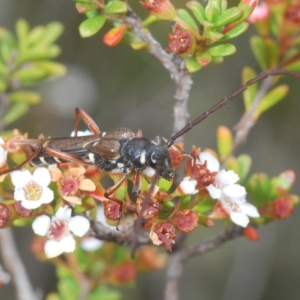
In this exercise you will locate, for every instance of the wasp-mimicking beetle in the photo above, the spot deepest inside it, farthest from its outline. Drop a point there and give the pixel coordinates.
(120, 150)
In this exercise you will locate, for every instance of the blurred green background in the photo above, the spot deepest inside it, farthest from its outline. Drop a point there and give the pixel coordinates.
(123, 88)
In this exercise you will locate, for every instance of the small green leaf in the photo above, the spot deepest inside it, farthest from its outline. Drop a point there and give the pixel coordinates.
(92, 14)
(115, 7)
(4, 70)
(197, 10)
(294, 66)
(213, 35)
(245, 163)
(225, 141)
(7, 45)
(52, 68)
(203, 58)
(84, 6)
(164, 184)
(272, 51)
(3, 85)
(90, 27)
(259, 187)
(284, 182)
(212, 10)
(36, 35)
(39, 53)
(29, 75)
(51, 33)
(221, 50)
(217, 60)
(223, 5)
(249, 94)
(186, 17)
(192, 65)
(259, 51)
(15, 112)
(228, 16)
(22, 29)
(236, 31)
(26, 97)
(184, 202)
(272, 98)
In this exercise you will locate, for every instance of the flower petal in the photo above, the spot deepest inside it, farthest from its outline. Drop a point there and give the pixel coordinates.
(47, 195)
(30, 204)
(20, 178)
(250, 210)
(3, 156)
(42, 176)
(68, 244)
(79, 225)
(53, 248)
(214, 192)
(226, 177)
(63, 213)
(19, 194)
(213, 164)
(91, 244)
(41, 225)
(235, 191)
(239, 219)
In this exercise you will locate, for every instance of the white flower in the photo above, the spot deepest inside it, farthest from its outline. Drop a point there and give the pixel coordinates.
(188, 186)
(233, 200)
(212, 163)
(59, 230)
(90, 243)
(232, 196)
(32, 189)
(81, 133)
(3, 153)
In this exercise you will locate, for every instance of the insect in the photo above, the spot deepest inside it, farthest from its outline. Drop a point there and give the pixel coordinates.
(121, 150)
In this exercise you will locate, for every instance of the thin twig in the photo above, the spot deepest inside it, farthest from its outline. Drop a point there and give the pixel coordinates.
(173, 64)
(178, 258)
(247, 121)
(14, 265)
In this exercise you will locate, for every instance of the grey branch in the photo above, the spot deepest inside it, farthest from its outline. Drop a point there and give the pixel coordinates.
(14, 265)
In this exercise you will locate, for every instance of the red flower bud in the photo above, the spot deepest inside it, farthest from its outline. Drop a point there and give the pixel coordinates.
(200, 173)
(163, 234)
(5, 215)
(149, 259)
(22, 211)
(151, 209)
(186, 220)
(282, 207)
(251, 233)
(123, 273)
(181, 41)
(114, 35)
(162, 9)
(176, 154)
(112, 212)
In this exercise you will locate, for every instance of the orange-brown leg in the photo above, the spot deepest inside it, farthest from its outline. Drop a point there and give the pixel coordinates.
(81, 113)
(63, 155)
(18, 167)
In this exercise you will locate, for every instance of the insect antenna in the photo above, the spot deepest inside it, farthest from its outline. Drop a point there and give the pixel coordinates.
(225, 100)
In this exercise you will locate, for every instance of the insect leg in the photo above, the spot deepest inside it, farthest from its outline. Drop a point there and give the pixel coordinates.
(225, 100)
(18, 167)
(139, 221)
(113, 188)
(63, 156)
(81, 113)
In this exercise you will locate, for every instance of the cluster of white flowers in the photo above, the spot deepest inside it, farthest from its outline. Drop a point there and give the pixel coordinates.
(231, 195)
(32, 190)
(60, 229)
